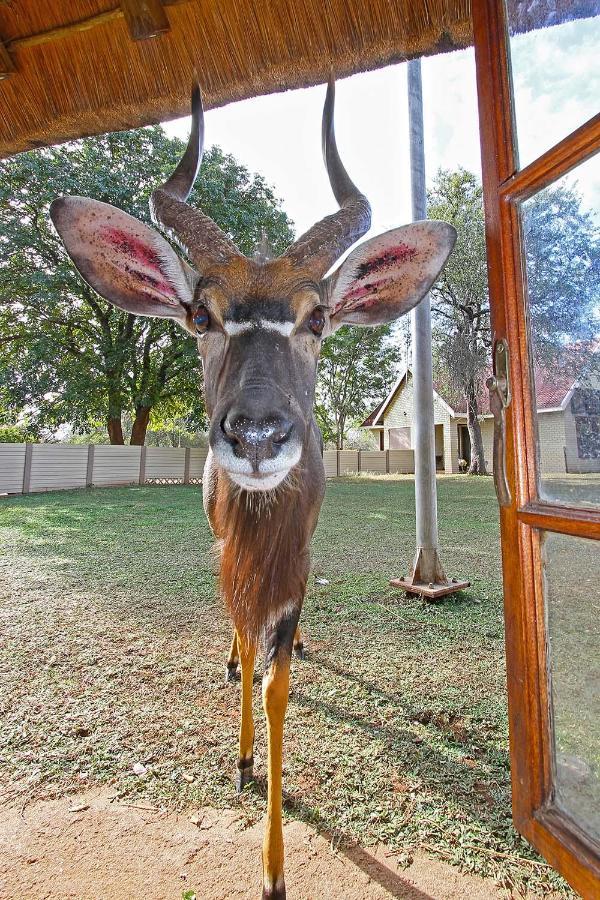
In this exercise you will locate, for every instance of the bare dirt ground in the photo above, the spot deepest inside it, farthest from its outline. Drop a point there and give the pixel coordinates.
(90, 845)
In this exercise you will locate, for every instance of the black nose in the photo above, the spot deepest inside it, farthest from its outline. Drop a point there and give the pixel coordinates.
(256, 440)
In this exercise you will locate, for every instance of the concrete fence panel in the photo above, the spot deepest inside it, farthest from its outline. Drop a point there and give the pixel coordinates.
(48, 467)
(348, 462)
(197, 459)
(116, 465)
(373, 461)
(55, 467)
(165, 463)
(402, 462)
(12, 468)
(330, 463)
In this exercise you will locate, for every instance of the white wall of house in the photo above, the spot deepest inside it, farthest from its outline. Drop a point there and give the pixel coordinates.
(399, 415)
(557, 435)
(575, 463)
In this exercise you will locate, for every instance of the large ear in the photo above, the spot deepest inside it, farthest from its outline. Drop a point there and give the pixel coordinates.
(385, 277)
(130, 265)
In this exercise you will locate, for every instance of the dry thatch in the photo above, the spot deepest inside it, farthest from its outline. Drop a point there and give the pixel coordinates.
(70, 68)
(77, 70)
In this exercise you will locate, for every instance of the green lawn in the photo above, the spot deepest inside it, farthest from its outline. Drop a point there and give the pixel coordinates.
(113, 645)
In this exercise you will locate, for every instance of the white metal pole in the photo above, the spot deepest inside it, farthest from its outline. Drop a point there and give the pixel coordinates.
(423, 415)
(427, 576)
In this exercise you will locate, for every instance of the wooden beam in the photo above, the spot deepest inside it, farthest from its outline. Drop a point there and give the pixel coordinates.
(7, 67)
(145, 18)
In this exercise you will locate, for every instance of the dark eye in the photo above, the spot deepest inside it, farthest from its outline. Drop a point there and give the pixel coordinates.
(316, 323)
(201, 319)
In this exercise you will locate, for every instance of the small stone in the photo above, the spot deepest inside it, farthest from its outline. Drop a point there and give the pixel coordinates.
(189, 778)
(79, 807)
(139, 769)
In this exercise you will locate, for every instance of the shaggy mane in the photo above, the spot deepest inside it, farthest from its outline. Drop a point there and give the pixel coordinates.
(263, 544)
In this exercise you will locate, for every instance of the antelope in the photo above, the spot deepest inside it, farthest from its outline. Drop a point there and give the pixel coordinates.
(259, 323)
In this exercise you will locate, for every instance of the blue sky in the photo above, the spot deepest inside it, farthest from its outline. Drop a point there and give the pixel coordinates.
(557, 86)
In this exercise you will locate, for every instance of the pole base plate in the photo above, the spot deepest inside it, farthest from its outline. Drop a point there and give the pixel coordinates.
(431, 590)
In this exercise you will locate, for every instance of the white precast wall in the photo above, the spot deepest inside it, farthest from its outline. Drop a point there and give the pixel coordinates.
(373, 461)
(53, 467)
(330, 462)
(116, 465)
(12, 467)
(56, 467)
(165, 462)
(197, 459)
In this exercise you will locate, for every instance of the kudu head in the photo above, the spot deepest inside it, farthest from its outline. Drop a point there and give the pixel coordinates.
(259, 322)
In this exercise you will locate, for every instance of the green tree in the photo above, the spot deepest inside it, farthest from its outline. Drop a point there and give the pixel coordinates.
(460, 299)
(73, 357)
(356, 369)
(562, 252)
(562, 255)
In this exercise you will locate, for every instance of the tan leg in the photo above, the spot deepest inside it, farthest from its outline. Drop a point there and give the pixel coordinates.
(246, 759)
(275, 690)
(233, 659)
(298, 643)
(276, 685)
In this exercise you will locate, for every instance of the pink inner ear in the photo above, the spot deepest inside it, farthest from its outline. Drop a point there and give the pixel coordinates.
(138, 252)
(389, 258)
(373, 274)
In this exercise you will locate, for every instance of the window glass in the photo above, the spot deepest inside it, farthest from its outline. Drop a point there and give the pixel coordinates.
(555, 71)
(561, 233)
(572, 599)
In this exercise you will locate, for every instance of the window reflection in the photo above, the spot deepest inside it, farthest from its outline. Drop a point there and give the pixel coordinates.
(561, 232)
(574, 663)
(556, 77)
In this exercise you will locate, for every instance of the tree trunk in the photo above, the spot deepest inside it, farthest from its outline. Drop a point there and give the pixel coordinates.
(115, 430)
(477, 466)
(140, 425)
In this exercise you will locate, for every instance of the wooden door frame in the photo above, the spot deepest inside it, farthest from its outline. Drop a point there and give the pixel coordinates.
(535, 814)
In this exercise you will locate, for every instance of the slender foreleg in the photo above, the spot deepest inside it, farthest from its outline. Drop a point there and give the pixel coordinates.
(245, 763)
(275, 690)
(233, 659)
(298, 643)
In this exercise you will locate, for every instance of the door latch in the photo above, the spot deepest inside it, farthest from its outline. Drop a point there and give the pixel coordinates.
(499, 387)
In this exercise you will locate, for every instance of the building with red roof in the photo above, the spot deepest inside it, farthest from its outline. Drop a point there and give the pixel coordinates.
(568, 418)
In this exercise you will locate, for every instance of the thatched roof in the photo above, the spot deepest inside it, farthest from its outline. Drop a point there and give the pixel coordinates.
(70, 68)
(77, 70)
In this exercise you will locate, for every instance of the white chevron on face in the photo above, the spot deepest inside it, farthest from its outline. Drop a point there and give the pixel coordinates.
(235, 328)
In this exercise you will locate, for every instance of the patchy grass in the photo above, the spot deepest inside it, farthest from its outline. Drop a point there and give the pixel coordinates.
(113, 647)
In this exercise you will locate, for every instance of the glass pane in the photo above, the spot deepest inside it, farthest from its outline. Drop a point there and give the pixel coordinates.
(556, 76)
(561, 231)
(572, 599)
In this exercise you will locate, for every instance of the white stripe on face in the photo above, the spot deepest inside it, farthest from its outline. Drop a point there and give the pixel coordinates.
(235, 328)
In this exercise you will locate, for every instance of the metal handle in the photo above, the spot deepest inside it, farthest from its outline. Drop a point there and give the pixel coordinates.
(499, 388)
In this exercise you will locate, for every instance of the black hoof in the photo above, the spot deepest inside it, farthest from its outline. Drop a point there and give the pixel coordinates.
(299, 651)
(231, 672)
(275, 893)
(244, 775)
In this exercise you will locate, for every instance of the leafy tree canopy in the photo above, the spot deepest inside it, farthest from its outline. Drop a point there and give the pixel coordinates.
(562, 256)
(356, 371)
(67, 354)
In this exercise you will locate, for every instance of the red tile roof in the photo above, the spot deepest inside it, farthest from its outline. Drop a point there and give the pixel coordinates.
(372, 415)
(551, 388)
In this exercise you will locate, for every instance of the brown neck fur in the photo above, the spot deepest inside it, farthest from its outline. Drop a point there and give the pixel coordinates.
(264, 552)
